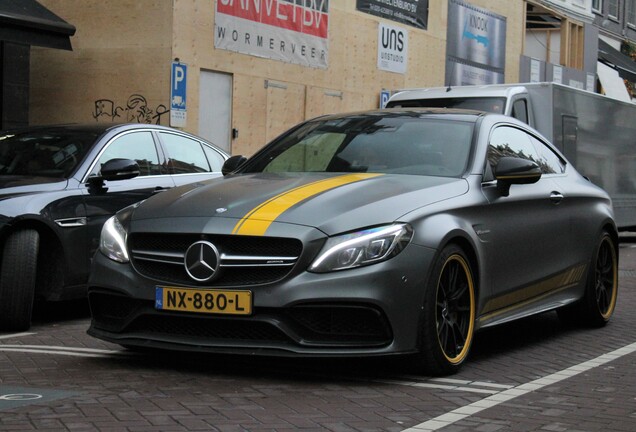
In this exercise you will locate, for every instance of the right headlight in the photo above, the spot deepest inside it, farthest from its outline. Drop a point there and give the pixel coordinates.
(362, 248)
(112, 242)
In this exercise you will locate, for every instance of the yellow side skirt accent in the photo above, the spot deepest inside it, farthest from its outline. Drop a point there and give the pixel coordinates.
(533, 293)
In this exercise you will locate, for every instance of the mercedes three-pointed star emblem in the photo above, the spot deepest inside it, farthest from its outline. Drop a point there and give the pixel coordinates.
(202, 261)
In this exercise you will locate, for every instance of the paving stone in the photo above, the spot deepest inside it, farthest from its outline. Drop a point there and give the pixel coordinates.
(142, 393)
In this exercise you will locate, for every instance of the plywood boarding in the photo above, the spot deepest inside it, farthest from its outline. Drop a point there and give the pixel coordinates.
(323, 101)
(285, 107)
(248, 114)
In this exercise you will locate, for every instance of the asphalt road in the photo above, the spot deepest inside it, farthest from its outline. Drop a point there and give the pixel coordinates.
(532, 375)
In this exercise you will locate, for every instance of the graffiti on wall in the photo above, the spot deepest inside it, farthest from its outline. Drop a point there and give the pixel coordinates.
(135, 111)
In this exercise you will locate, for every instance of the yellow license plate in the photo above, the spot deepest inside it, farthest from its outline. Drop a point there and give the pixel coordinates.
(203, 301)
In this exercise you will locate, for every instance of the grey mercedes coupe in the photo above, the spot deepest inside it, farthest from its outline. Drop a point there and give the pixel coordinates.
(400, 231)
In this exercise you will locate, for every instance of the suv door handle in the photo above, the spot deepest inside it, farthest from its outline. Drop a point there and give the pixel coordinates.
(556, 197)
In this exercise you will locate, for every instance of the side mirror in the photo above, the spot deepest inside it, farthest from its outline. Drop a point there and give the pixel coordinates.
(233, 163)
(119, 169)
(114, 169)
(513, 170)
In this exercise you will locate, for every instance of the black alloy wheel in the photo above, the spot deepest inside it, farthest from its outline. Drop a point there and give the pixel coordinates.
(449, 314)
(605, 281)
(597, 305)
(455, 309)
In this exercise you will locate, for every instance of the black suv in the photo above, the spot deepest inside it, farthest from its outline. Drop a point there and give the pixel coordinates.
(58, 184)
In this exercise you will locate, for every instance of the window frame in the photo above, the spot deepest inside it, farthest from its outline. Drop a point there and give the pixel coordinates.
(630, 13)
(616, 17)
(488, 174)
(95, 161)
(202, 146)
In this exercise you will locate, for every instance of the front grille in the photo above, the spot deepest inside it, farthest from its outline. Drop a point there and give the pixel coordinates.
(244, 260)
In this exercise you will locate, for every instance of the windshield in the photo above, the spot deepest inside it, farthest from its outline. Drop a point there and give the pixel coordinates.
(43, 152)
(399, 144)
(487, 104)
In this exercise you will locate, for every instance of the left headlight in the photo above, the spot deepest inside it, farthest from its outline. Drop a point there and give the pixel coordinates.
(112, 242)
(362, 248)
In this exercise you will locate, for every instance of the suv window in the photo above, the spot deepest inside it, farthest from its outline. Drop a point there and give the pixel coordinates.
(185, 155)
(138, 146)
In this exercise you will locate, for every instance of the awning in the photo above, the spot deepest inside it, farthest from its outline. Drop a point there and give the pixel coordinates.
(28, 22)
(612, 83)
(612, 57)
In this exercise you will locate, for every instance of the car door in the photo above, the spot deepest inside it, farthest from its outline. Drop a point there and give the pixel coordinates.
(529, 230)
(102, 201)
(190, 160)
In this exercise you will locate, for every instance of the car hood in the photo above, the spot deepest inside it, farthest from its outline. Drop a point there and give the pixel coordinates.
(18, 185)
(331, 202)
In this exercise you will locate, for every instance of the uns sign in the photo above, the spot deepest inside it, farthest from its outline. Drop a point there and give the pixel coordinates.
(392, 39)
(392, 48)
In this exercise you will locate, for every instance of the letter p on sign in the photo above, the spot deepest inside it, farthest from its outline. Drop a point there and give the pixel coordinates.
(179, 76)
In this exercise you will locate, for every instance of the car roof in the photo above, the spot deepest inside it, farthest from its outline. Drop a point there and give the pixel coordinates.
(100, 129)
(96, 128)
(451, 113)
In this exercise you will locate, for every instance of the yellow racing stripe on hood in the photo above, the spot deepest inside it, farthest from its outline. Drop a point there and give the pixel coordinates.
(261, 217)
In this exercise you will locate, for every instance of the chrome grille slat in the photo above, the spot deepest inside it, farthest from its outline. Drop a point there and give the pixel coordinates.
(159, 257)
(256, 265)
(251, 260)
(163, 254)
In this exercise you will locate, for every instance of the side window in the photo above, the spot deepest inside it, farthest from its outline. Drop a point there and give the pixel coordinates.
(215, 158)
(138, 146)
(550, 162)
(508, 141)
(520, 110)
(185, 155)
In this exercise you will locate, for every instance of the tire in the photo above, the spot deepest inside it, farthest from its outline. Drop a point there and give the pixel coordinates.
(448, 316)
(597, 305)
(17, 279)
(601, 291)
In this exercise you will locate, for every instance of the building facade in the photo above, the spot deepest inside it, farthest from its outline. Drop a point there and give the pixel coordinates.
(581, 43)
(240, 72)
(616, 20)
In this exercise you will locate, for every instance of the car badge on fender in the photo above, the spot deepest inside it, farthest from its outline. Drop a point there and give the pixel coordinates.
(202, 261)
(221, 210)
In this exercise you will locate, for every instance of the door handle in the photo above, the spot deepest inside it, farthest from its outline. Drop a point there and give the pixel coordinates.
(556, 197)
(160, 189)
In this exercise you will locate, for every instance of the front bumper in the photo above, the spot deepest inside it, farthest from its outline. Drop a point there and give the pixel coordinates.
(372, 310)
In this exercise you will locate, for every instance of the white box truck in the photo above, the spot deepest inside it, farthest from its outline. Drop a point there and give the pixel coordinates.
(596, 133)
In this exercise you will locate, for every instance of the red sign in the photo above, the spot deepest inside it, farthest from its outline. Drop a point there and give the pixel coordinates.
(294, 31)
(302, 16)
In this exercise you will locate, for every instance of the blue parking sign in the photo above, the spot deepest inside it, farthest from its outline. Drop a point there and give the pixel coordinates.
(384, 98)
(178, 111)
